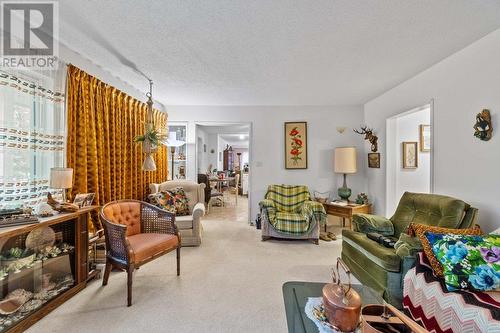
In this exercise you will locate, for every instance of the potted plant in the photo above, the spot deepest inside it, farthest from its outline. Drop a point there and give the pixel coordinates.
(150, 140)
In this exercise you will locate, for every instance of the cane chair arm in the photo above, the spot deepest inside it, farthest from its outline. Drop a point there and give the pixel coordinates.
(157, 220)
(117, 245)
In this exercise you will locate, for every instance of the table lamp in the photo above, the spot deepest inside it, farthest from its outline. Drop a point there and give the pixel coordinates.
(61, 178)
(173, 143)
(345, 162)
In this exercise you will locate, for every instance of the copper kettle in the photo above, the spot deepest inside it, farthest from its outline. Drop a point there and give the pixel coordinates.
(342, 304)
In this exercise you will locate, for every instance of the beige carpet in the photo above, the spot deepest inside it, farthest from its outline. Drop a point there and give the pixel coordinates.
(231, 283)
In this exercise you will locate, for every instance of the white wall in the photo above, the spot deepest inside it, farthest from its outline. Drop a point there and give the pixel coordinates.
(461, 86)
(406, 128)
(202, 137)
(212, 145)
(221, 146)
(267, 144)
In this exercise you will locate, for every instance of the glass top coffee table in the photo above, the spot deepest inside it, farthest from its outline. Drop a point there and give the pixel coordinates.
(295, 295)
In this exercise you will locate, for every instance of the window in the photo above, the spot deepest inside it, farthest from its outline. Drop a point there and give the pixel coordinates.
(32, 134)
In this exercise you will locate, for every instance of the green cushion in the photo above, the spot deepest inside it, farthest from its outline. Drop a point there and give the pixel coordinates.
(367, 223)
(375, 252)
(429, 209)
(292, 223)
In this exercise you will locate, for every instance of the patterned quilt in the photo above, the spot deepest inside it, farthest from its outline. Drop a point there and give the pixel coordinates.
(290, 210)
(428, 301)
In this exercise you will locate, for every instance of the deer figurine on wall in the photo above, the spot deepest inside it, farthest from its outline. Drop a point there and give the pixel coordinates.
(372, 138)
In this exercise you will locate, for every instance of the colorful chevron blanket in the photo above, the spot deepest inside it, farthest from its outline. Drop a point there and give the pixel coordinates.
(290, 210)
(427, 300)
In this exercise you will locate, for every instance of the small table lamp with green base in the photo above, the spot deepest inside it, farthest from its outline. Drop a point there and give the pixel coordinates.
(345, 162)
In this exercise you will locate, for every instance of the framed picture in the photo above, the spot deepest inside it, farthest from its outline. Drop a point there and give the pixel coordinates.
(410, 155)
(374, 160)
(296, 145)
(84, 199)
(425, 137)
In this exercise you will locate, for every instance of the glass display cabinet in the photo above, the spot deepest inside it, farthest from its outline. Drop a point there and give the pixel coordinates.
(180, 153)
(41, 265)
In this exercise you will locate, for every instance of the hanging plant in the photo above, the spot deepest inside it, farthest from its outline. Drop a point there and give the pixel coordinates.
(150, 140)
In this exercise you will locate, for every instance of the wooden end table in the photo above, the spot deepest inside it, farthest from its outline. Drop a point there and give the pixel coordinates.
(346, 212)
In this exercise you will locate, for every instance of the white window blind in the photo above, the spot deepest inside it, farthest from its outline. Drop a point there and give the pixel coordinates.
(32, 134)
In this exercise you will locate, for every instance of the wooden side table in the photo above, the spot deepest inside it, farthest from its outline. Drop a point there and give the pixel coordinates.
(346, 212)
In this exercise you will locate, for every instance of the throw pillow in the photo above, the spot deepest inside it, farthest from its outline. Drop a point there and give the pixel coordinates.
(419, 230)
(164, 200)
(469, 262)
(181, 201)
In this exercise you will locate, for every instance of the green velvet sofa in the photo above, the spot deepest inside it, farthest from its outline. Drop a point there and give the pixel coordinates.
(382, 268)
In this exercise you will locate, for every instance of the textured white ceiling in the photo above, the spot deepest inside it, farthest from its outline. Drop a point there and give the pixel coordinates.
(272, 52)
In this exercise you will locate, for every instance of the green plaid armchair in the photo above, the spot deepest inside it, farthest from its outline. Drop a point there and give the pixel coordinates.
(288, 212)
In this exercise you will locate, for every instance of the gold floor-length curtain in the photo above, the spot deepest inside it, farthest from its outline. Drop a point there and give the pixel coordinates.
(102, 124)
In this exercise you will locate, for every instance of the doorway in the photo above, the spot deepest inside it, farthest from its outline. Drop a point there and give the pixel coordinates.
(409, 166)
(224, 152)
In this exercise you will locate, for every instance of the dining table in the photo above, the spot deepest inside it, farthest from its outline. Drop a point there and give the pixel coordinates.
(220, 181)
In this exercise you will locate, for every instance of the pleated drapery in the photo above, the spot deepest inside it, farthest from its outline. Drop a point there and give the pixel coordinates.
(102, 124)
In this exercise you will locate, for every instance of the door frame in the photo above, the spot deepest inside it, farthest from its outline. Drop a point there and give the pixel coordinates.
(391, 148)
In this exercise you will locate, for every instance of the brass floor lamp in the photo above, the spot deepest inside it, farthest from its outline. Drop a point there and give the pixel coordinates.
(173, 143)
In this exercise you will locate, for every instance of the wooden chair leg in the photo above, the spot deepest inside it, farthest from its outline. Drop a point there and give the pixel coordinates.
(130, 272)
(107, 270)
(178, 260)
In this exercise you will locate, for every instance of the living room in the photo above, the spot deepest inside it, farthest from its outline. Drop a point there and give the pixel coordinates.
(212, 166)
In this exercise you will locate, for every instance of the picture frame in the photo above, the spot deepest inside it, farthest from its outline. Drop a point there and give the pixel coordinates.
(410, 155)
(374, 160)
(84, 199)
(425, 138)
(295, 145)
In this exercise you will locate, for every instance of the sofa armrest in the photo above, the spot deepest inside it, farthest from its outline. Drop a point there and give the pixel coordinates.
(407, 246)
(316, 210)
(407, 263)
(198, 210)
(268, 209)
(366, 223)
(266, 203)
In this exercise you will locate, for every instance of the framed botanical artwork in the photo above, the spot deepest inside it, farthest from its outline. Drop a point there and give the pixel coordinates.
(410, 155)
(374, 160)
(296, 145)
(425, 138)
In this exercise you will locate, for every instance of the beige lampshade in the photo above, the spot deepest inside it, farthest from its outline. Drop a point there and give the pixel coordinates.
(61, 178)
(345, 160)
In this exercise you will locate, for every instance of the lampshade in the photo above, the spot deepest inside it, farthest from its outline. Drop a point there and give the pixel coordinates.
(345, 160)
(172, 140)
(61, 178)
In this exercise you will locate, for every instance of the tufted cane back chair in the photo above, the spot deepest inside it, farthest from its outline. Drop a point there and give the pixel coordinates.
(136, 233)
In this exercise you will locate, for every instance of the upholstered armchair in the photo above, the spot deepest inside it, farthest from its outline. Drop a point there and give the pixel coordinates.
(382, 268)
(288, 212)
(137, 232)
(189, 226)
